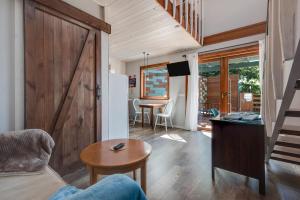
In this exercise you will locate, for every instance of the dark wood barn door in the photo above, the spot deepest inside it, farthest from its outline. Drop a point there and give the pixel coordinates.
(62, 76)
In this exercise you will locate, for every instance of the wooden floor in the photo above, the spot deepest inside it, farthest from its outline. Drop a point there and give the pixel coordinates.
(179, 168)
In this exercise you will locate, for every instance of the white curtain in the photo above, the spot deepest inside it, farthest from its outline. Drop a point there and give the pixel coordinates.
(261, 71)
(268, 105)
(191, 117)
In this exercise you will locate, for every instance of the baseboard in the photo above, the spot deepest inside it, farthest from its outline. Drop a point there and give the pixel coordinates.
(179, 127)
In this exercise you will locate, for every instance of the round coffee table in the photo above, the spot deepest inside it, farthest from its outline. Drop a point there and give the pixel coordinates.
(101, 160)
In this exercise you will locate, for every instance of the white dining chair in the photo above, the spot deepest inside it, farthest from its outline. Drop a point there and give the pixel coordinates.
(138, 111)
(166, 114)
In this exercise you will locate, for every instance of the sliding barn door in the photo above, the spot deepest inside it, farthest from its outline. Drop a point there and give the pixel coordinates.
(61, 82)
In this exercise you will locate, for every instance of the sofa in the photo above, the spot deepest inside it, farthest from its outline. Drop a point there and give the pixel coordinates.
(25, 174)
(30, 187)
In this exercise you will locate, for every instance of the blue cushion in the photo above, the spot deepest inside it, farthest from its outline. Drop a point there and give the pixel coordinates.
(115, 187)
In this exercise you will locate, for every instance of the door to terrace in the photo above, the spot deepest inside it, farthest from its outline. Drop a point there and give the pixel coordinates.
(229, 82)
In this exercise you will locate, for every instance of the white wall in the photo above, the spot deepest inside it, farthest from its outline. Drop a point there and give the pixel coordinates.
(117, 66)
(287, 68)
(6, 69)
(88, 6)
(12, 60)
(105, 85)
(297, 23)
(232, 43)
(220, 16)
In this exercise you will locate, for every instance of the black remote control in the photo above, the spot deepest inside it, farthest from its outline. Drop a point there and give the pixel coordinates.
(119, 146)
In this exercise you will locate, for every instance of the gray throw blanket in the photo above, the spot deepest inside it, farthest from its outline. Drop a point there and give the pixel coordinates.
(24, 151)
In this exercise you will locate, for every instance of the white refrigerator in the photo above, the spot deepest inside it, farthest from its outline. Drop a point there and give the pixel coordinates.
(118, 106)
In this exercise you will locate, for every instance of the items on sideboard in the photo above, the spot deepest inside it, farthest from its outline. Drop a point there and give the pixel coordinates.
(102, 159)
(244, 116)
(239, 146)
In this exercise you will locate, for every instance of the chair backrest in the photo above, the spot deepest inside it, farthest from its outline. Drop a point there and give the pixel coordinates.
(169, 108)
(136, 103)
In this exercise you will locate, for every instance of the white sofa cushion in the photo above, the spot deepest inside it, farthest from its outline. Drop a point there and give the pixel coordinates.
(30, 187)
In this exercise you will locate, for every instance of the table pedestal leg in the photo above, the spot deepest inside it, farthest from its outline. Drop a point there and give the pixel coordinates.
(262, 185)
(151, 118)
(143, 117)
(144, 178)
(134, 175)
(93, 176)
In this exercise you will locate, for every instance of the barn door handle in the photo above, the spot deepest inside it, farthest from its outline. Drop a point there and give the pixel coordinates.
(98, 92)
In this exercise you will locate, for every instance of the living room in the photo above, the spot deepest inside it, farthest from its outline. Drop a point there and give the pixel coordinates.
(122, 99)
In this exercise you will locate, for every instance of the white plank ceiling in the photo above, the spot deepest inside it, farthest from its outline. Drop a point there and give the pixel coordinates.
(144, 26)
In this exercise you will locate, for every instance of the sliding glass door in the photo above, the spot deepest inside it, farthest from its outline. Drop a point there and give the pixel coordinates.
(209, 90)
(244, 85)
(228, 82)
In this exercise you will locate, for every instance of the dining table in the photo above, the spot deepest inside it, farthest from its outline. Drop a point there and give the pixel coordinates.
(150, 106)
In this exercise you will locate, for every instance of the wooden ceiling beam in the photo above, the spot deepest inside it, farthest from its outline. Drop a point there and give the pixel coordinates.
(76, 13)
(246, 31)
(238, 52)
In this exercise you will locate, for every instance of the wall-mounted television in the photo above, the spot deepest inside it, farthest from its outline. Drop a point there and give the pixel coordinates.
(179, 69)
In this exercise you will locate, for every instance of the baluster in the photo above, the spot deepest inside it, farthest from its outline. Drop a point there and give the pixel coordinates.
(186, 14)
(174, 8)
(191, 15)
(196, 18)
(200, 22)
(181, 11)
(166, 4)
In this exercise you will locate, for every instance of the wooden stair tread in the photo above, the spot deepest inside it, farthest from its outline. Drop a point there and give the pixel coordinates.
(292, 113)
(286, 153)
(287, 144)
(287, 131)
(285, 160)
(297, 87)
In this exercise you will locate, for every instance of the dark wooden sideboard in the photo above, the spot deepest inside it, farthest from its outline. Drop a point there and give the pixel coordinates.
(239, 147)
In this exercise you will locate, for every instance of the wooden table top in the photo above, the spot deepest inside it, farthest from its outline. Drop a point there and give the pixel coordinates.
(152, 105)
(101, 155)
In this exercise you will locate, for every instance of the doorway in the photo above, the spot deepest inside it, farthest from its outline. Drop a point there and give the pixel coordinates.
(228, 82)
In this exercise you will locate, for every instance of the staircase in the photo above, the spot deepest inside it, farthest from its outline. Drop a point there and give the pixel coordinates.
(284, 145)
(188, 13)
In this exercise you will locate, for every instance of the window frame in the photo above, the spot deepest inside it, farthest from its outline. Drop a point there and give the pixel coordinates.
(142, 82)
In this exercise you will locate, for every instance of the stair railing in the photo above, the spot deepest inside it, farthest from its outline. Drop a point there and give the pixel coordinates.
(188, 13)
(286, 101)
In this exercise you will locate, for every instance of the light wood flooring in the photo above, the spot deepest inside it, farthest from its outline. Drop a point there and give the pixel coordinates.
(179, 169)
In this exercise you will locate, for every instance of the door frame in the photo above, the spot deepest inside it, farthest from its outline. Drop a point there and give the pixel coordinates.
(223, 57)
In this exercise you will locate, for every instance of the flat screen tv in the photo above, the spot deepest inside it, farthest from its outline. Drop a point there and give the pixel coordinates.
(179, 69)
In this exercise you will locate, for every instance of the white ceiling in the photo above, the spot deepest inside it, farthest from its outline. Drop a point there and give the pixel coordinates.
(143, 26)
